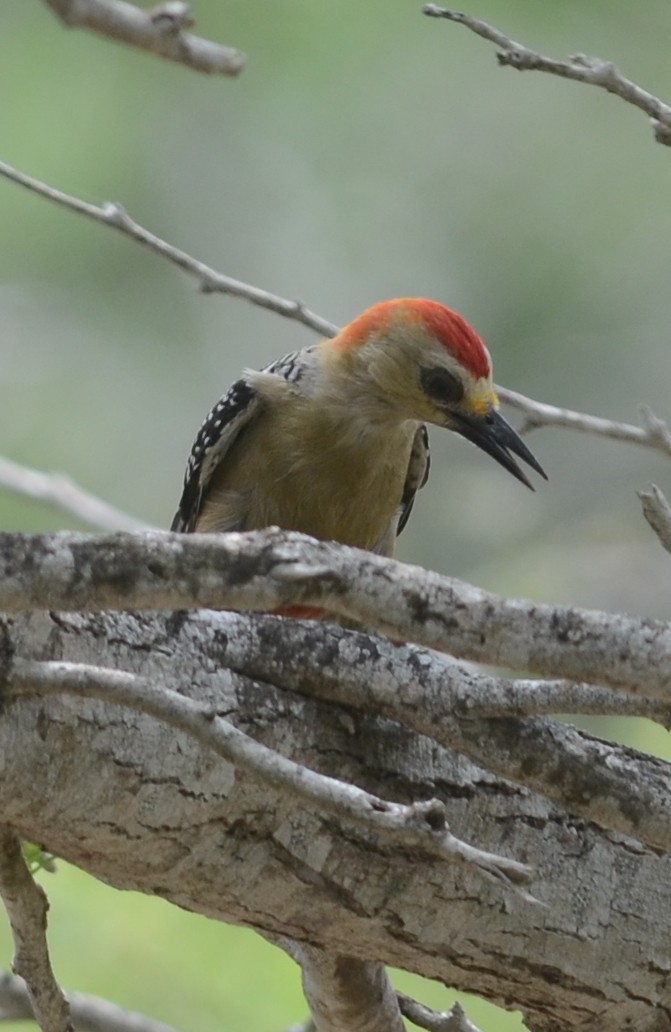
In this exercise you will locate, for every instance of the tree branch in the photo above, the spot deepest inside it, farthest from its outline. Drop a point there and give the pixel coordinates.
(593, 71)
(348, 995)
(420, 826)
(159, 813)
(271, 569)
(611, 786)
(454, 1020)
(657, 512)
(653, 434)
(424, 689)
(210, 281)
(57, 489)
(89, 1013)
(160, 30)
(27, 907)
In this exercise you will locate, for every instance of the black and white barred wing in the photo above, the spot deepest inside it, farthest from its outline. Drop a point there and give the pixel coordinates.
(220, 428)
(417, 476)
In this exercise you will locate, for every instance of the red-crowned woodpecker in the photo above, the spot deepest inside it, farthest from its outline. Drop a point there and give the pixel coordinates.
(331, 440)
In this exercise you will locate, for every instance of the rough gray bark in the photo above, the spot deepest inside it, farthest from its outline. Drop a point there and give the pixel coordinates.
(147, 808)
(264, 570)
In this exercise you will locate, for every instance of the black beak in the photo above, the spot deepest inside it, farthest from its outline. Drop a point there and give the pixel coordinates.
(496, 436)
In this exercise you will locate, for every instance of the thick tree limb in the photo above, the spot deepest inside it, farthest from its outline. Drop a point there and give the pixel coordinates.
(614, 787)
(418, 685)
(57, 489)
(160, 30)
(27, 906)
(243, 569)
(422, 826)
(89, 1013)
(264, 570)
(144, 806)
(593, 71)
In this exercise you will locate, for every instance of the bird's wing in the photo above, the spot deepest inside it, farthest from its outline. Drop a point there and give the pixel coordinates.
(220, 428)
(417, 475)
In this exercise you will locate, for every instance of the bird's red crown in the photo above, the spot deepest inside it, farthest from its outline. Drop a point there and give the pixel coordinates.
(448, 327)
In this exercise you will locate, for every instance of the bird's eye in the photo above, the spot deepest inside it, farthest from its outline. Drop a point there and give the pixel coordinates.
(441, 385)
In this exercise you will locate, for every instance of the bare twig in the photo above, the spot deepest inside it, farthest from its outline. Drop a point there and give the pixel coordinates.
(160, 30)
(454, 1020)
(89, 1013)
(654, 432)
(591, 70)
(657, 512)
(27, 909)
(56, 489)
(421, 826)
(210, 281)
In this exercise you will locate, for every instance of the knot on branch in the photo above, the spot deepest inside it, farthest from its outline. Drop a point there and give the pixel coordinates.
(171, 17)
(431, 812)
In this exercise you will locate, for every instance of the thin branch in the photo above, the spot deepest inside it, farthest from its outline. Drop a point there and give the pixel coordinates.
(160, 30)
(56, 489)
(89, 1013)
(210, 281)
(593, 71)
(654, 432)
(421, 826)
(454, 1020)
(657, 512)
(27, 909)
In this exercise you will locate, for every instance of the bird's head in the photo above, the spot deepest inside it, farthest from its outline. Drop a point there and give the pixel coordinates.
(429, 365)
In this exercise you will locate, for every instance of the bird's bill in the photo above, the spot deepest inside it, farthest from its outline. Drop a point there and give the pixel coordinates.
(495, 435)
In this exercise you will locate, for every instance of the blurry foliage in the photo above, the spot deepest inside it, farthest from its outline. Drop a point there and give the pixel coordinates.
(365, 152)
(37, 859)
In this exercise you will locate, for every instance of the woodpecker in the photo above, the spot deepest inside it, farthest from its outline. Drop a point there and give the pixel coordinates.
(331, 440)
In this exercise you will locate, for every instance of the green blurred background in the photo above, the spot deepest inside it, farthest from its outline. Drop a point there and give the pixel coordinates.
(365, 152)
